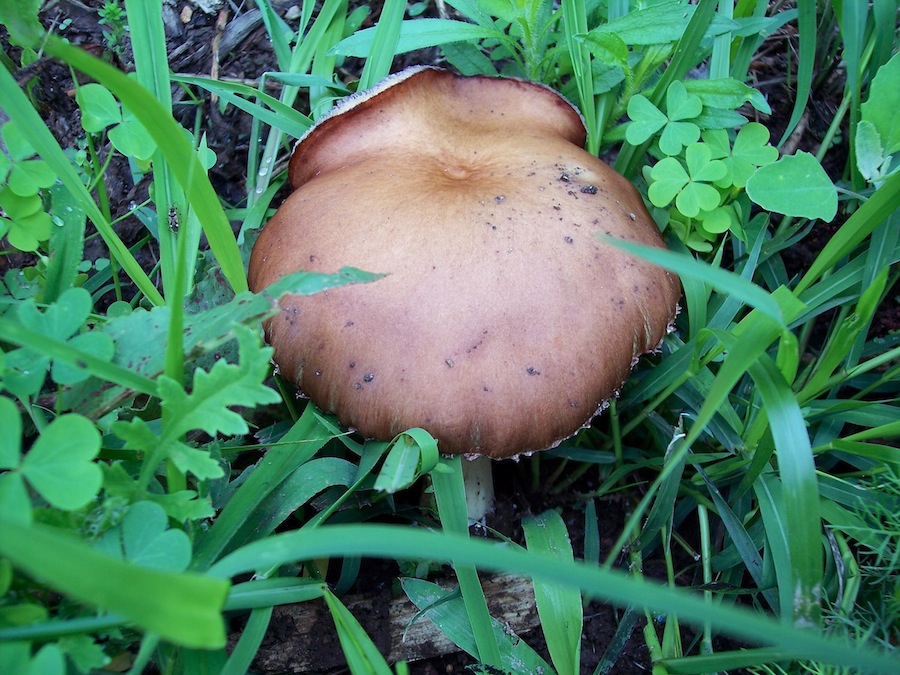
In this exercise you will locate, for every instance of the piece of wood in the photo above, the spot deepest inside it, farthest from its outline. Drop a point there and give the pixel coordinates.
(302, 639)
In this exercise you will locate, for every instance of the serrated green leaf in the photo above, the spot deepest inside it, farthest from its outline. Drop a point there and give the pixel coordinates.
(99, 108)
(86, 654)
(661, 23)
(60, 465)
(609, 48)
(206, 407)
(795, 185)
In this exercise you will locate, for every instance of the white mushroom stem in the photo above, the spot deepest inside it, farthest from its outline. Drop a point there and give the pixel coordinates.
(479, 481)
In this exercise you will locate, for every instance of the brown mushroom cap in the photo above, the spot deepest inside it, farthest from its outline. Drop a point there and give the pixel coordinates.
(505, 322)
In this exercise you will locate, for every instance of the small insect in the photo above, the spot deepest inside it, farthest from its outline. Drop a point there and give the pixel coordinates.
(173, 219)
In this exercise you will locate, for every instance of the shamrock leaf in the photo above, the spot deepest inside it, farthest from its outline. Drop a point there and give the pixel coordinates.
(27, 223)
(59, 466)
(144, 538)
(24, 176)
(680, 105)
(669, 177)
(646, 120)
(100, 110)
(689, 188)
(60, 321)
(750, 151)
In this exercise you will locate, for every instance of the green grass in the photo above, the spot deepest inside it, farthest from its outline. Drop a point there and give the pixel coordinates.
(150, 461)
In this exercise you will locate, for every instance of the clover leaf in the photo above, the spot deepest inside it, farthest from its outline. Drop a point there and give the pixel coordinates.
(59, 466)
(24, 176)
(60, 321)
(689, 188)
(26, 224)
(100, 110)
(144, 538)
(647, 119)
(750, 151)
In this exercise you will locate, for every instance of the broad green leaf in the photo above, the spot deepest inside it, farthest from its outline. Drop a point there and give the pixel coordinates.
(795, 185)
(660, 23)
(880, 109)
(21, 20)
(99, 108)
(726, 93)
(182, 608)
(417, 34)
(95, 344)
(869, 150)
(60, 464)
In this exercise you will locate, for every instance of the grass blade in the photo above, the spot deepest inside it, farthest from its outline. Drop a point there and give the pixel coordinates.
(450, 493)
(806, 25)
(559, 607)
(799, 492)
(403, 542)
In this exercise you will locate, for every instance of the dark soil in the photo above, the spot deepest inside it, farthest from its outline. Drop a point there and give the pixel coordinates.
(244, 53)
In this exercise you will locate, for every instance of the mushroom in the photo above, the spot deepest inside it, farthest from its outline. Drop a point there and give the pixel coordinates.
(505, 321)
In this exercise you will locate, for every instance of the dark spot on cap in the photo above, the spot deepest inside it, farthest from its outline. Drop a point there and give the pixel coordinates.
(568, 240)
(368, 377)
(531, 370)
(589, 189)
